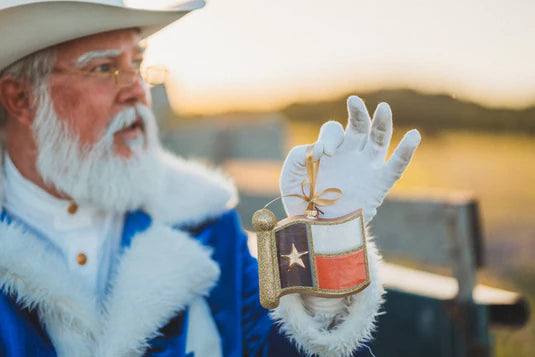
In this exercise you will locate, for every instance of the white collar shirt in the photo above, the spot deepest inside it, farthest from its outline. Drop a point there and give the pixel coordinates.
(88, 238)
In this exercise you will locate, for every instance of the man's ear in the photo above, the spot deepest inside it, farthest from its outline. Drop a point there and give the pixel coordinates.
(17, 99)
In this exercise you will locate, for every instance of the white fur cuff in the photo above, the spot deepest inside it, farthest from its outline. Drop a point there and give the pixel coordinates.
(309, 333)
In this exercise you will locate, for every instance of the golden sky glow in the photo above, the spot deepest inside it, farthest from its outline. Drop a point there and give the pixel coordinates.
(261, 54)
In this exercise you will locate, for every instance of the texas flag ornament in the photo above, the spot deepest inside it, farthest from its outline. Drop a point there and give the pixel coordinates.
(310, 255)
(321, 257)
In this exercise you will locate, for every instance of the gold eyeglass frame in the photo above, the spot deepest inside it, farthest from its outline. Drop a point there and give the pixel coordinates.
(142, 73)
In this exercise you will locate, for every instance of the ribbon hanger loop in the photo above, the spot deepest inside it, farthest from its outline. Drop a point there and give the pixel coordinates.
(312, 198)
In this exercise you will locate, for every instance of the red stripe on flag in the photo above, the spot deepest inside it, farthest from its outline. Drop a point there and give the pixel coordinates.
(341, 272)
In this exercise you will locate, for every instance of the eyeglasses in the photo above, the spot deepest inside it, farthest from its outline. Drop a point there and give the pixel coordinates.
(151, 75)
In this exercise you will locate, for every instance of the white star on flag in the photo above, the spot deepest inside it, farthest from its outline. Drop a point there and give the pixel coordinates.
(295, 258)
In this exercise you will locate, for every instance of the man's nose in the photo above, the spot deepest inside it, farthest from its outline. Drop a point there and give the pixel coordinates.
(134, 92)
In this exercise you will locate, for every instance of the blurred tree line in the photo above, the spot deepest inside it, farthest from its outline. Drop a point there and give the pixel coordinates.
(427, 112)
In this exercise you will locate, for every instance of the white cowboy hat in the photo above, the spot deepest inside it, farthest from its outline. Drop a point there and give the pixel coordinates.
(27, 26)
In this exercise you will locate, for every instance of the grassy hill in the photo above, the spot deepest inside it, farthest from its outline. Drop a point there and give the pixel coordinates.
(424, 111)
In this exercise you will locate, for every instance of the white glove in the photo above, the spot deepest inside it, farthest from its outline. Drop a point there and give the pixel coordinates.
(353, 161)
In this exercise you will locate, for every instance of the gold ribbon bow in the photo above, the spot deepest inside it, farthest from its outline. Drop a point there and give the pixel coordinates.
(313, 198)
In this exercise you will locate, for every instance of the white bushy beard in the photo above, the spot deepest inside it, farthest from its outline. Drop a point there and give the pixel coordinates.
(96, 175)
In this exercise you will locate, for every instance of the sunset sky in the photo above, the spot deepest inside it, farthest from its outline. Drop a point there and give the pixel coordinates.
(252, 54)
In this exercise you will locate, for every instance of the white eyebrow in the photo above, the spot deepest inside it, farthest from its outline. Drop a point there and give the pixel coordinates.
(84, 59)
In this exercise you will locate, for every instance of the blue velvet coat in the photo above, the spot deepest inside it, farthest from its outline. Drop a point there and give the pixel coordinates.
(244, 326)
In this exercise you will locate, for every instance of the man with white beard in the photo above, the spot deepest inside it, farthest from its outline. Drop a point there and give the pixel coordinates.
(111, 247)
(97, 175)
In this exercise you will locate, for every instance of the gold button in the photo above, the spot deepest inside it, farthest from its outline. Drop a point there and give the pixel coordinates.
(81, 259)
(73, 207)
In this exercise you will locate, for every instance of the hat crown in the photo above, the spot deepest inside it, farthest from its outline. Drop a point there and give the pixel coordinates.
(27, 26)
(12, 3)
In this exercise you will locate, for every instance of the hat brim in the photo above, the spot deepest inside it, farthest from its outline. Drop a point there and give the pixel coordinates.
(29, 28)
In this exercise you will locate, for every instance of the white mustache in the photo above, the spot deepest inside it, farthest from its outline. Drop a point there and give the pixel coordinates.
(124, 119)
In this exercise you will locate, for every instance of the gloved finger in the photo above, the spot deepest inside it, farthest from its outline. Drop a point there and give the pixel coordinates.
(401, 157)
(297, 156)
(294, 168)
(331, 136)
(380, 134)
(358, 123)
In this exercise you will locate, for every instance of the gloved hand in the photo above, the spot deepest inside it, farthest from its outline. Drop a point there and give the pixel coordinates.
(353, 161)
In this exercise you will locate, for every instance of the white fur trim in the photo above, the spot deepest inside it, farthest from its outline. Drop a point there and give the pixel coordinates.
(149, 288)
(161, 273)
(309, 333)
(38, 278)
(193, 193)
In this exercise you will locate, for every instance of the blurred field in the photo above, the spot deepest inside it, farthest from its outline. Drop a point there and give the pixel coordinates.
(500, 170)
